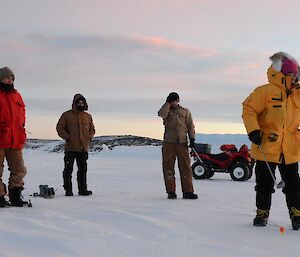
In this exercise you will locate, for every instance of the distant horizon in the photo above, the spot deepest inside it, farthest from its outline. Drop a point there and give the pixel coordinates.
(115, 135)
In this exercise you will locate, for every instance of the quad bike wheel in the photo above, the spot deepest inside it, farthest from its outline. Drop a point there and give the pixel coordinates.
(240, 172)
(201, 172)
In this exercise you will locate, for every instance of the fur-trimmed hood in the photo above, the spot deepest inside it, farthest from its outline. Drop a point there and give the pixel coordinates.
(282, 61)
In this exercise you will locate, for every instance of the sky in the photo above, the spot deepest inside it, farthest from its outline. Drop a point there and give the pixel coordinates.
(125, 57)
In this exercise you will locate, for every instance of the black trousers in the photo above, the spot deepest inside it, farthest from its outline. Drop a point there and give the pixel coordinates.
(265, 184)
(81, 161)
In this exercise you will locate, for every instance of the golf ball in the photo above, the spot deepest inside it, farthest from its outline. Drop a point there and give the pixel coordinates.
(282, 230)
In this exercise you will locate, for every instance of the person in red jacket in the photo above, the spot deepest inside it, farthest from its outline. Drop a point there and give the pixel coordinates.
(12, 139)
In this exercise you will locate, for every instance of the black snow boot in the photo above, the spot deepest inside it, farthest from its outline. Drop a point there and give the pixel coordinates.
(82, 187)
(69, 193)
(3, 202)
(15, 197)
(263, 204)
(295, 218)
(81, 180)
(85, 192)
(293, 203)
(261, 218)
(172, 195)
(190, 195)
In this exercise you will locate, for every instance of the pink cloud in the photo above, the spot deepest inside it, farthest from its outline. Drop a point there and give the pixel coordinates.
(159, 42)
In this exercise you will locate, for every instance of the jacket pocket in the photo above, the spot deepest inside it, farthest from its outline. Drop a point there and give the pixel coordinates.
(292, 141)
(275, 113)
(271, 141)
(20, 136)
(5, 136)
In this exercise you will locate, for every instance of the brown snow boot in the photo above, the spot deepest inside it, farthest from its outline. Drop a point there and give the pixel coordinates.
(295, 218)
(261, 218)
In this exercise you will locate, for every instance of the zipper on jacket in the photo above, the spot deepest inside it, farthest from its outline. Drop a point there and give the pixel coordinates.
(8, 101)
(280, 158)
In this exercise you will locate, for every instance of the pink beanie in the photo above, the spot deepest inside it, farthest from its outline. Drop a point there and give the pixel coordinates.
(289, 66)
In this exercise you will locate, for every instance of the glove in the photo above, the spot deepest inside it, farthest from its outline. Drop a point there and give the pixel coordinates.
(255, 136)
(192, 142)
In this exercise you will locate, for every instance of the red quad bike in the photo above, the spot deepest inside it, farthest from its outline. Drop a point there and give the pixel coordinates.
(238, 163)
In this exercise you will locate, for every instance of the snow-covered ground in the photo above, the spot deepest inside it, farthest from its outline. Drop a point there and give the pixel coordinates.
(128, 214)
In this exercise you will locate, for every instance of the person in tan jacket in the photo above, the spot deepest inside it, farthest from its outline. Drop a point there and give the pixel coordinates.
(271, 116)
(178, 124)
(77, 129)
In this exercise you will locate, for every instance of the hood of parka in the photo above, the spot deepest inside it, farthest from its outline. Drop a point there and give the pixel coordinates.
(76, 98)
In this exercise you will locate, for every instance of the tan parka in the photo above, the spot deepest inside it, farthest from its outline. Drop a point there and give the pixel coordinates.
(77, 128)
(178, 123)
(274, 108)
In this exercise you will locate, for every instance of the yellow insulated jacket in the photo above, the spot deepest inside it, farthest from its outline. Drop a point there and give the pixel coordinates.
(274, 108)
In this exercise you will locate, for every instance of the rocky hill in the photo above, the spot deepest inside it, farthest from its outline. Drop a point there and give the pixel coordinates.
(109, 142)
(97, 144)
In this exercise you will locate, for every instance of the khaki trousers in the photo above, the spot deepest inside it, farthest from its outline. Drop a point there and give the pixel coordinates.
(16, 167)
(169, 153)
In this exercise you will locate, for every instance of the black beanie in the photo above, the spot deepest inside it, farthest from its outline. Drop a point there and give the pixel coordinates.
(173, 96)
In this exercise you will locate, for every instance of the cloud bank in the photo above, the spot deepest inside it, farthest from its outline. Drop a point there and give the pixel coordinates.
(129, 76)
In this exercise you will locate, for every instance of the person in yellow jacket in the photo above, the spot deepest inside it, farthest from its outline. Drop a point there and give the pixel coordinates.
(271, 115)
(178, 124)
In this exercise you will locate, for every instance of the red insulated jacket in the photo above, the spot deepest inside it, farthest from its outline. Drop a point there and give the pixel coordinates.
(12, 120)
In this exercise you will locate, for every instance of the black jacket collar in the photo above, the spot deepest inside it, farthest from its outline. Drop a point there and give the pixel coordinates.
(7, 88)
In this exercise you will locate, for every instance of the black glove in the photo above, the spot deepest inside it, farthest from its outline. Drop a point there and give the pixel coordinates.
(192, 142)
(255, 136)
